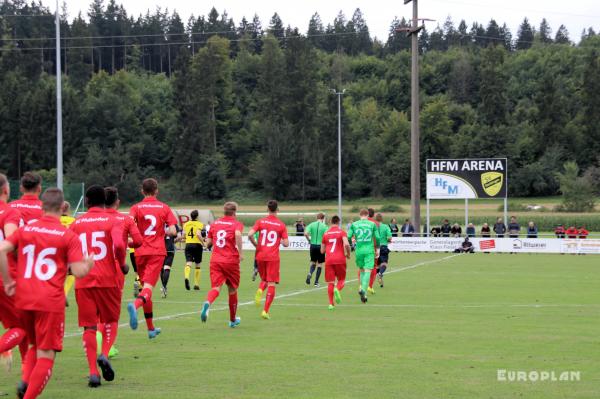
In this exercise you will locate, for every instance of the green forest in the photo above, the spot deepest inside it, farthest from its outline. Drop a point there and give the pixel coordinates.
(219, 108)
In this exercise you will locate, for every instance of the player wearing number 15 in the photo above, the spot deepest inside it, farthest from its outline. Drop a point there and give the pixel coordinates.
(336, 248)
(45, 250)
(367, 247)
(151, 217)
(98, 294)
(271, 233)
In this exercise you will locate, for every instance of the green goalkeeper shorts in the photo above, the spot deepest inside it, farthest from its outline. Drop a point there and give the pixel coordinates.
(365, 260)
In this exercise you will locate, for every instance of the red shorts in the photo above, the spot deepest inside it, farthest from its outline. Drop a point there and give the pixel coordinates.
(224, 273)
(335, 271)
(269, 270)
(45, 330)
(98, 304)
(8, 313)
(149, 267)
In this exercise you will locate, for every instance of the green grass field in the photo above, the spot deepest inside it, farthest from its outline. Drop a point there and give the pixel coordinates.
(441, 328)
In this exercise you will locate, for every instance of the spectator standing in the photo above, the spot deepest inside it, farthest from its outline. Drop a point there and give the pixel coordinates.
(445, 228)
(471, 230)
(300, 227)
(559, 231)
(407, 229)
(513, 228)
(532, 230)
(394, 227)
(571, 232)
(499, 228)
(456, 230)
(485, 230)
(583, 233)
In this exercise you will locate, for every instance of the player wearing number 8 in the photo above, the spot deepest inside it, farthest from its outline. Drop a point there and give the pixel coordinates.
(271, 233)
(45, 251)
(336, 248)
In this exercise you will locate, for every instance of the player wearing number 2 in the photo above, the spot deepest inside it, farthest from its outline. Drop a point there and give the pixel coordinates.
(98, 294)
(271, 233)
(225, 237)
(367, 249)
(151, 217)
(45, 250)
(336, 248)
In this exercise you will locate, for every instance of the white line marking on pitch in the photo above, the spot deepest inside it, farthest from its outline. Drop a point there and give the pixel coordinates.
(290, 294)
(458, 305)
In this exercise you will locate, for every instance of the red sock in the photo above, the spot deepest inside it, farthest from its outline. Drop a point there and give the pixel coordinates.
(149, 315)
(90, 347)
(23, 348)
(212, 295)
(233, 304)
(372, 277)
(11, 338)
(109, 336)
(330, 292)
(29, 364)
(270, 297)
(358, 276)
(39, 377)
(144, 297)
(262, 286)
(341, 284)
(100, 328)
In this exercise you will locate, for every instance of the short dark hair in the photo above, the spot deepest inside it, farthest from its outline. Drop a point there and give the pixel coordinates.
(272, 205)
(52, 200)
(230, 208)
(364, 212)
(95, 196)
(112, 195)
(194, 215)
(335, 219)
(30, 181)
(320, 216)
(379, 217)
(371, 212)
(150, 186)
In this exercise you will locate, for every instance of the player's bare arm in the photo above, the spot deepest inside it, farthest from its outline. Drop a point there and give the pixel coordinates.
(208, 242)
(307, 236)
(323, 248)
(172, 231)
(238, 244)
(251, 237)
(347, 248)
(81, 269)
(9, 284)
(285, 242)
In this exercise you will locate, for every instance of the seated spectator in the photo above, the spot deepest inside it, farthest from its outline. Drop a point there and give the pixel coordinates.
(445, 228)
(571, 232)
(485, 230)
(471, 230)
(436, 232)
(559, 231)
(532, 230)
(300, 226)
(456, 230)
(394, 227)
(407, 229)
(583, 233)
(513, 228)
(499, 228)
(465, 247)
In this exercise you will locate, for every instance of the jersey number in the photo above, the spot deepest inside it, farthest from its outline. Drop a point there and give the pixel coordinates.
(221, 235)
(191, 233)
(151, 230)
(334, 242)
(364, 235)
(96, 243)
(269, 238)
(43, 267)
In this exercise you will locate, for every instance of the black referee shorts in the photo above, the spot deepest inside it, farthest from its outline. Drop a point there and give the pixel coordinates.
(315, 254)
(193, 253)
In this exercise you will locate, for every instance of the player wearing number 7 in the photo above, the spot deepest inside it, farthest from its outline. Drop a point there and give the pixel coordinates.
(336, 248)
(45, 251)
(98, 294)
(366, 234)
(151, 217)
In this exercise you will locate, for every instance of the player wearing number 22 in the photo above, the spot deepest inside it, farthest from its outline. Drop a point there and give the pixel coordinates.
(271, 233)
(225, 237)
(151, 217)
(99, 293)
(45, 250)
(336, 248)
(367, 249)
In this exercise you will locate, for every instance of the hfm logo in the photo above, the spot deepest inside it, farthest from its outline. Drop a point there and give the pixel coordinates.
(452, 190)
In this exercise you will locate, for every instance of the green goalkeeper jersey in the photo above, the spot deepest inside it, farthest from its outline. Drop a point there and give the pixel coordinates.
(316, 230)
(364, 231)
(385, 233)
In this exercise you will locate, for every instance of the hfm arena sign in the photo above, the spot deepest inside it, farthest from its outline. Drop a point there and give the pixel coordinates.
(466, 178)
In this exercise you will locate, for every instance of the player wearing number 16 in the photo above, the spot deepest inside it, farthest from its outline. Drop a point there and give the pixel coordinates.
(99, 293)
(45, 251)
(151, 217)
(367, 247)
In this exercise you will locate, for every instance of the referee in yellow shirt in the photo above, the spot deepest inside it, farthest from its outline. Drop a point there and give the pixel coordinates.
(194, 233)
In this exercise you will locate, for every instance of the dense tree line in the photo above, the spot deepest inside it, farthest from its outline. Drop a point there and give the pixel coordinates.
(217, 109)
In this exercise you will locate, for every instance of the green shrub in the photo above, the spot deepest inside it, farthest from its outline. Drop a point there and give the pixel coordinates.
(391, 208)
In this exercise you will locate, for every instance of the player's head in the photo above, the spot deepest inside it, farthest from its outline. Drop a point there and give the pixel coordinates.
(52, 201)
(111, 197)
(379, 218)
(321, 216)
(230, 208)
(194, 215)
(95, 196)
(335, 219)
(364, 213)
(4, 188)
(31, 183)
(371, 212)
(149, 187)
(272, 206)
(66, 207)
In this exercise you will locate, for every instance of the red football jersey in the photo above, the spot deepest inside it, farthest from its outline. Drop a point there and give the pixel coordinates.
(222, 233)
(101, 235)
(270, 232)
(8, 215)
(334, 246)
(151, 217)
(29, 206)
(129, 227)
(44, 249)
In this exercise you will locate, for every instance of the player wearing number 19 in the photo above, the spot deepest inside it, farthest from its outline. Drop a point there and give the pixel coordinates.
(151, 217)
(366, 234)
(98, 294)
(45, 250)
(336, 248)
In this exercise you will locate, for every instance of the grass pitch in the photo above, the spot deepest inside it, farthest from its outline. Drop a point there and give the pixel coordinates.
(441, 328)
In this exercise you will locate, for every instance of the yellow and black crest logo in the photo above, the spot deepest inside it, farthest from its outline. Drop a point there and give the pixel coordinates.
(492, 183)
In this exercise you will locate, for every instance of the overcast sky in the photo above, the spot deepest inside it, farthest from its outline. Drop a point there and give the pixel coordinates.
(574, 14)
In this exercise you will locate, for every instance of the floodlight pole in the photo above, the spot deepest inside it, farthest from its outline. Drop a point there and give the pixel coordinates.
(339, 94)
(59, 138)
